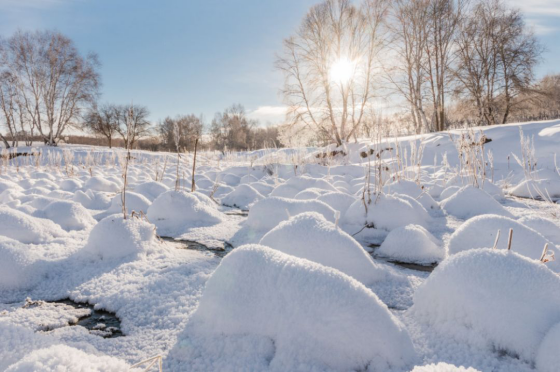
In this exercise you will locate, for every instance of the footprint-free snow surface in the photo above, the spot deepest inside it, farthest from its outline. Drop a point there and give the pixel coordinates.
(351, 262)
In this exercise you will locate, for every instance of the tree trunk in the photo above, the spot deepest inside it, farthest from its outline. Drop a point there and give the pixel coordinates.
(5, 141)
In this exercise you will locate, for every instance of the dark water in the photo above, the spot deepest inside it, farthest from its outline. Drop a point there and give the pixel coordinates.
(187, 244)
(100, 322)
(407, 265)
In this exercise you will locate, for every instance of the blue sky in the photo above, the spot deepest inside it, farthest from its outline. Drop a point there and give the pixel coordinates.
(200, 56)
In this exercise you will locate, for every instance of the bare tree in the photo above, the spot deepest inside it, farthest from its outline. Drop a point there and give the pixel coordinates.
(330, 66)
(103, 121)
(54, 81)
(496, 59)
(190, 128)
(408, 27)
(133, 124)
(232, 129)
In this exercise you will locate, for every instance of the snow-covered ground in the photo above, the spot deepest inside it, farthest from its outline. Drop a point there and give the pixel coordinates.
(289, 259)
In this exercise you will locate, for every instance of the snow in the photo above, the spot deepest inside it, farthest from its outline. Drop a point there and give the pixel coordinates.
(548, 358)
(279, 312)
(174, 211)
(242, 197)
(387, 212)
(58, 358)
(412, 243)
(495, 299)
(443, 367)
(27, 229)
(309, 235)
(470, 201)
(268, 213)
(315, 299)
(481, 231)
(115, 238)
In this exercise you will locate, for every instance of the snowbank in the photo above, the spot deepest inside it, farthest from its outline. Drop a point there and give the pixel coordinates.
(294, 185)
(544, 226)
(27, 229)
(59, 358)
(412, 243)
(481, 231)
(309, 235)
(471, 201)
(175, 211)
(114, 237)
(260, 292)
(268, 213)
(338, 201)
(151, 190)
(493, 299)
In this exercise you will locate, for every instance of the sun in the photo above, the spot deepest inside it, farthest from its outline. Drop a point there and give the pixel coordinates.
(342, 70)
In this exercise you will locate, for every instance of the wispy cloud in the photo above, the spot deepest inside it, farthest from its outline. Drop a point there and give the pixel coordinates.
(549, 8)
(272, 114)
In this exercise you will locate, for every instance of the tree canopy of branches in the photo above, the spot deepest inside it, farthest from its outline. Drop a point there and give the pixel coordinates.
(231, 129)
(45, 83)
(102, 120)
(132, 123)
(187, 127)
(496, 59)
(334, 34)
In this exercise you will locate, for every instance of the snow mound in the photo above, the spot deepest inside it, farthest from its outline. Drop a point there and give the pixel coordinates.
(338, 201)
(471, 201)
(294, 185)
(9, 185)
(243, 196)
(269, 212)
(412, 243)
(92, 199)
(134, 202)
(70, 185)
(60, 358)
(17, 265)
(175, 211)
(69, 215)
(297, 304)
(544, 226)
(27, 229)
(309, 235)
(538, 188)
(114, 237)
(443, 367)
(388, 213)
(151, 190)
(97, 183)
(481, 231)
(548, 358)
(493, 299)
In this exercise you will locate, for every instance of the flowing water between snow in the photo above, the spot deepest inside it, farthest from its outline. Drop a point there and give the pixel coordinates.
(99, 322)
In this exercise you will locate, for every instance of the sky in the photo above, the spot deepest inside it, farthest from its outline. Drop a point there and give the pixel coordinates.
(201, 56)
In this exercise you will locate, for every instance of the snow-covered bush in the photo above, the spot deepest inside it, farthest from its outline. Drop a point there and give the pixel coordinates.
(412, 243)
(309, 235)
(494, 299)
(98, 183)
(151, 190)
(266, 295)
(294, 185)
(18, 268)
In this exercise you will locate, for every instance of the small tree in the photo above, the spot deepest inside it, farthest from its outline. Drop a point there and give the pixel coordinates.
(138, 122)
(102, 121)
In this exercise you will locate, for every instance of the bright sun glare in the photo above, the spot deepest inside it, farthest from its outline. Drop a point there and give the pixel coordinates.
(342, 70)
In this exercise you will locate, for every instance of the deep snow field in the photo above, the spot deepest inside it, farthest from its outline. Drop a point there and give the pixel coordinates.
(370, 257)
